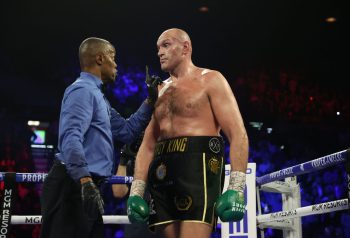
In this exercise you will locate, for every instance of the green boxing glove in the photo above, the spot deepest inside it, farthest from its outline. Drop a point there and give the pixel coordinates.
(230, 205)
(138, 211)
(137, 208)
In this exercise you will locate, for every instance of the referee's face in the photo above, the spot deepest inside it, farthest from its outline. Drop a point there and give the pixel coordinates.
(109, 66)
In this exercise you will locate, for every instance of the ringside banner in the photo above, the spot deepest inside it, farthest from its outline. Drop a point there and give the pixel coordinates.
(8, 201)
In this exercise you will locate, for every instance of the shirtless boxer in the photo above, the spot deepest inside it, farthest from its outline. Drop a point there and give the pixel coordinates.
(181, 156)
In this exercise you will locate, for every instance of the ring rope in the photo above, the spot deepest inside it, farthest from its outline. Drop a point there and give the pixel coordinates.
(321, 208)
(27, 219)
(40, 177)
(310, 166)
(307, 167)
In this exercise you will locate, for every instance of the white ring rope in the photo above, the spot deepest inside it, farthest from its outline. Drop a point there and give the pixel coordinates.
(281, 216)
(320, 208)
(27, 219)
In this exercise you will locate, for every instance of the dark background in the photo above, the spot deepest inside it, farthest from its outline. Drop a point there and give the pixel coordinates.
(40, 39)
(254, 43)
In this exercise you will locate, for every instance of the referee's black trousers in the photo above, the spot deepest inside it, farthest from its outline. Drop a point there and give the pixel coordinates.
(62, 211)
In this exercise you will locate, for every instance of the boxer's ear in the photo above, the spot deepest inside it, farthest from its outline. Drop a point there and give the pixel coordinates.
(186, 47)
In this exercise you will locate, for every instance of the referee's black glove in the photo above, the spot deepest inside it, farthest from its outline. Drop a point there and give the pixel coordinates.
(152, 83)
(92, 200)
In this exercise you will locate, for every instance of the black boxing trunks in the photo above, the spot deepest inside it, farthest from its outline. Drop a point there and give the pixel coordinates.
(185, 179)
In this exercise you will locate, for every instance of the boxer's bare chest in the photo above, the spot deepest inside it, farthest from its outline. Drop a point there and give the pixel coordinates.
(184, 98)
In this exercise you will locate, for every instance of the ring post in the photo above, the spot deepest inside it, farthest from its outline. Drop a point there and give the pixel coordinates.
(347, 168)
(292, 201)
(289, 219)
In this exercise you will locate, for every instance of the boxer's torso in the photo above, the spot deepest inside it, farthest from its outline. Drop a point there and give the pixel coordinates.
(183, 107)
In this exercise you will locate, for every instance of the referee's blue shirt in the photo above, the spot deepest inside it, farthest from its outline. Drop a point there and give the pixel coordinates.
(88, 125)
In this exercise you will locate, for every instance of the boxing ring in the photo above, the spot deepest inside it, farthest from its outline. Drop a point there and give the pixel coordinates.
(288, 220)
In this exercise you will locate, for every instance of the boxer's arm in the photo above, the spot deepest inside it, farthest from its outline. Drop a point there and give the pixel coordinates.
(120, 190)
(227, 114)
(230, 205)
(146, 151)
(137, 208)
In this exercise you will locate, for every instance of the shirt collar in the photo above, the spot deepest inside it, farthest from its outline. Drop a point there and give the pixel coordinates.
(93, 78)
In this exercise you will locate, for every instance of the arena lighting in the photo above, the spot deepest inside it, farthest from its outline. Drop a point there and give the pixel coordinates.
(331, 19)
(33, 123)
(338, 113)
(269, 130)
(42, 146)
(256, 125)
(203, 9)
